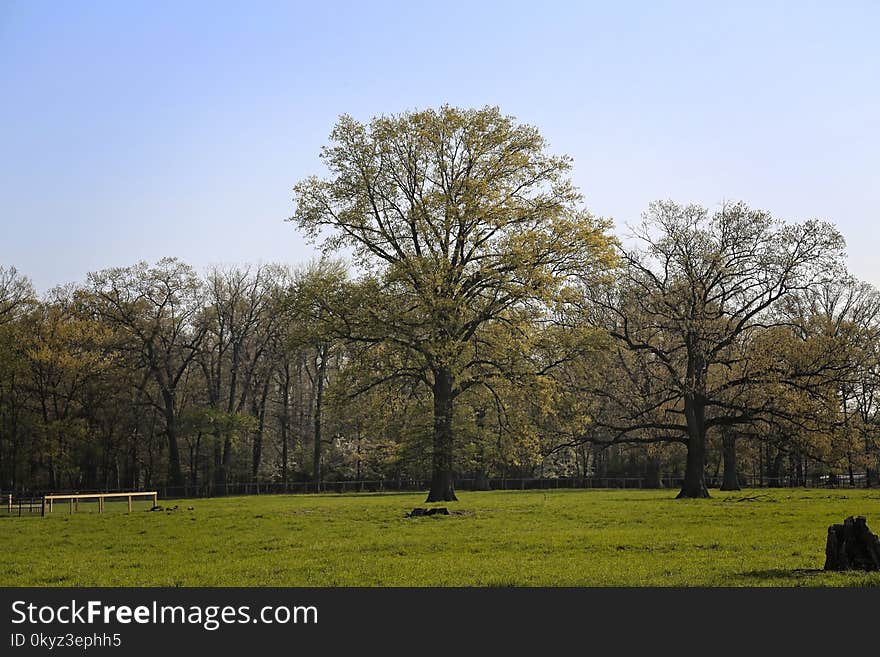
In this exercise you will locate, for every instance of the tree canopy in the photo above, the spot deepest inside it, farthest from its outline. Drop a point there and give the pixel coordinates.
(467, 226)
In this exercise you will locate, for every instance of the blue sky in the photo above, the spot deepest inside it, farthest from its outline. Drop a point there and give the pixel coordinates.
(138, 130)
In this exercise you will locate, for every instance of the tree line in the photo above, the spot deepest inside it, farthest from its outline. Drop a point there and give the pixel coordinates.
(483, 324)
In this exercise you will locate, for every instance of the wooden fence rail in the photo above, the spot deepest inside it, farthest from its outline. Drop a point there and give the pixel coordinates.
(73, 499)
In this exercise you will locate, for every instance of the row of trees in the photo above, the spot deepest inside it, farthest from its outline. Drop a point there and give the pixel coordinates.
(486, 325)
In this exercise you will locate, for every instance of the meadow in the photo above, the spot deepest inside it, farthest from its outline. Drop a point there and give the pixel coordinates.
(497, 538)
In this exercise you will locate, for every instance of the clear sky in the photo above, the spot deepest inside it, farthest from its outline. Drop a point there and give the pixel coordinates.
(136, 130)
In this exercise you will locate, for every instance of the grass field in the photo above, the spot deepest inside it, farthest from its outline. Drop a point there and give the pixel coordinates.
(521, 538)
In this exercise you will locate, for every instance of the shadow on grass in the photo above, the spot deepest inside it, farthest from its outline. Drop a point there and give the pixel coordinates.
(782, 573)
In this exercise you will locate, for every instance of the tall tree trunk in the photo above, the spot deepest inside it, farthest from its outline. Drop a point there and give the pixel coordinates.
(194, 463)
(219, 475)
(652, 473)
(285, 421)
(258, 438)
(481, 476)
(134, 475)
(442, 489)
(319, 399)
(175, 474)
(774, 473)
(728, 447)
(358, 462)
(694, 485)
(225, 464)
(761, 466)
(300, 404)
(226, 461)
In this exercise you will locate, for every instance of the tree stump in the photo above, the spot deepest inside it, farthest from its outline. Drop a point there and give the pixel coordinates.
(852, 546)
(417, 512)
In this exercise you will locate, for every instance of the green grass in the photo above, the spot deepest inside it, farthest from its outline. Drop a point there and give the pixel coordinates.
(518, 538)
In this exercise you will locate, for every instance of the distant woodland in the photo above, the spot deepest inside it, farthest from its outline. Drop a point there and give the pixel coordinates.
(469, 318)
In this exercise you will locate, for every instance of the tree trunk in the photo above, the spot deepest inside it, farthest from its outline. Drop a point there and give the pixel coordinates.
(761, 466)
(319, 399)
(481, 480)
(652, 473)
(357, 475)
(194, 462)
(731, 480)
(175, 474)
(285, 419)
(226, 462)
(774, 474)
(481, 477)
(134, 474)
(261, 425)
(51, 469)
(223, 456)
(219, 476)
(694, 485)
(442, 489)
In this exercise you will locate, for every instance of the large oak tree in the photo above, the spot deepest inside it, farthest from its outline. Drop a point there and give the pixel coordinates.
(467, 221)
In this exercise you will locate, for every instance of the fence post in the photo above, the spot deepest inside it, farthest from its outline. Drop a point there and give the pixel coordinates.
(43, 508)
(129, 503)
(70, 506)
(155, 499)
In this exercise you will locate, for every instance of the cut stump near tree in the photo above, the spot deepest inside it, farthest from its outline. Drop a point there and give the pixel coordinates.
(418, 512)
(852, 546)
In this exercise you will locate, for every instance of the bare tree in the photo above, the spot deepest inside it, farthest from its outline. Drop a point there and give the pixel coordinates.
(689, 297)
(237, 321)
(15, 292)
(156, 311)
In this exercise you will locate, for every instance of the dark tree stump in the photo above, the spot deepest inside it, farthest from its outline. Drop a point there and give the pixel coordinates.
(852, 546)
(418, 512)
